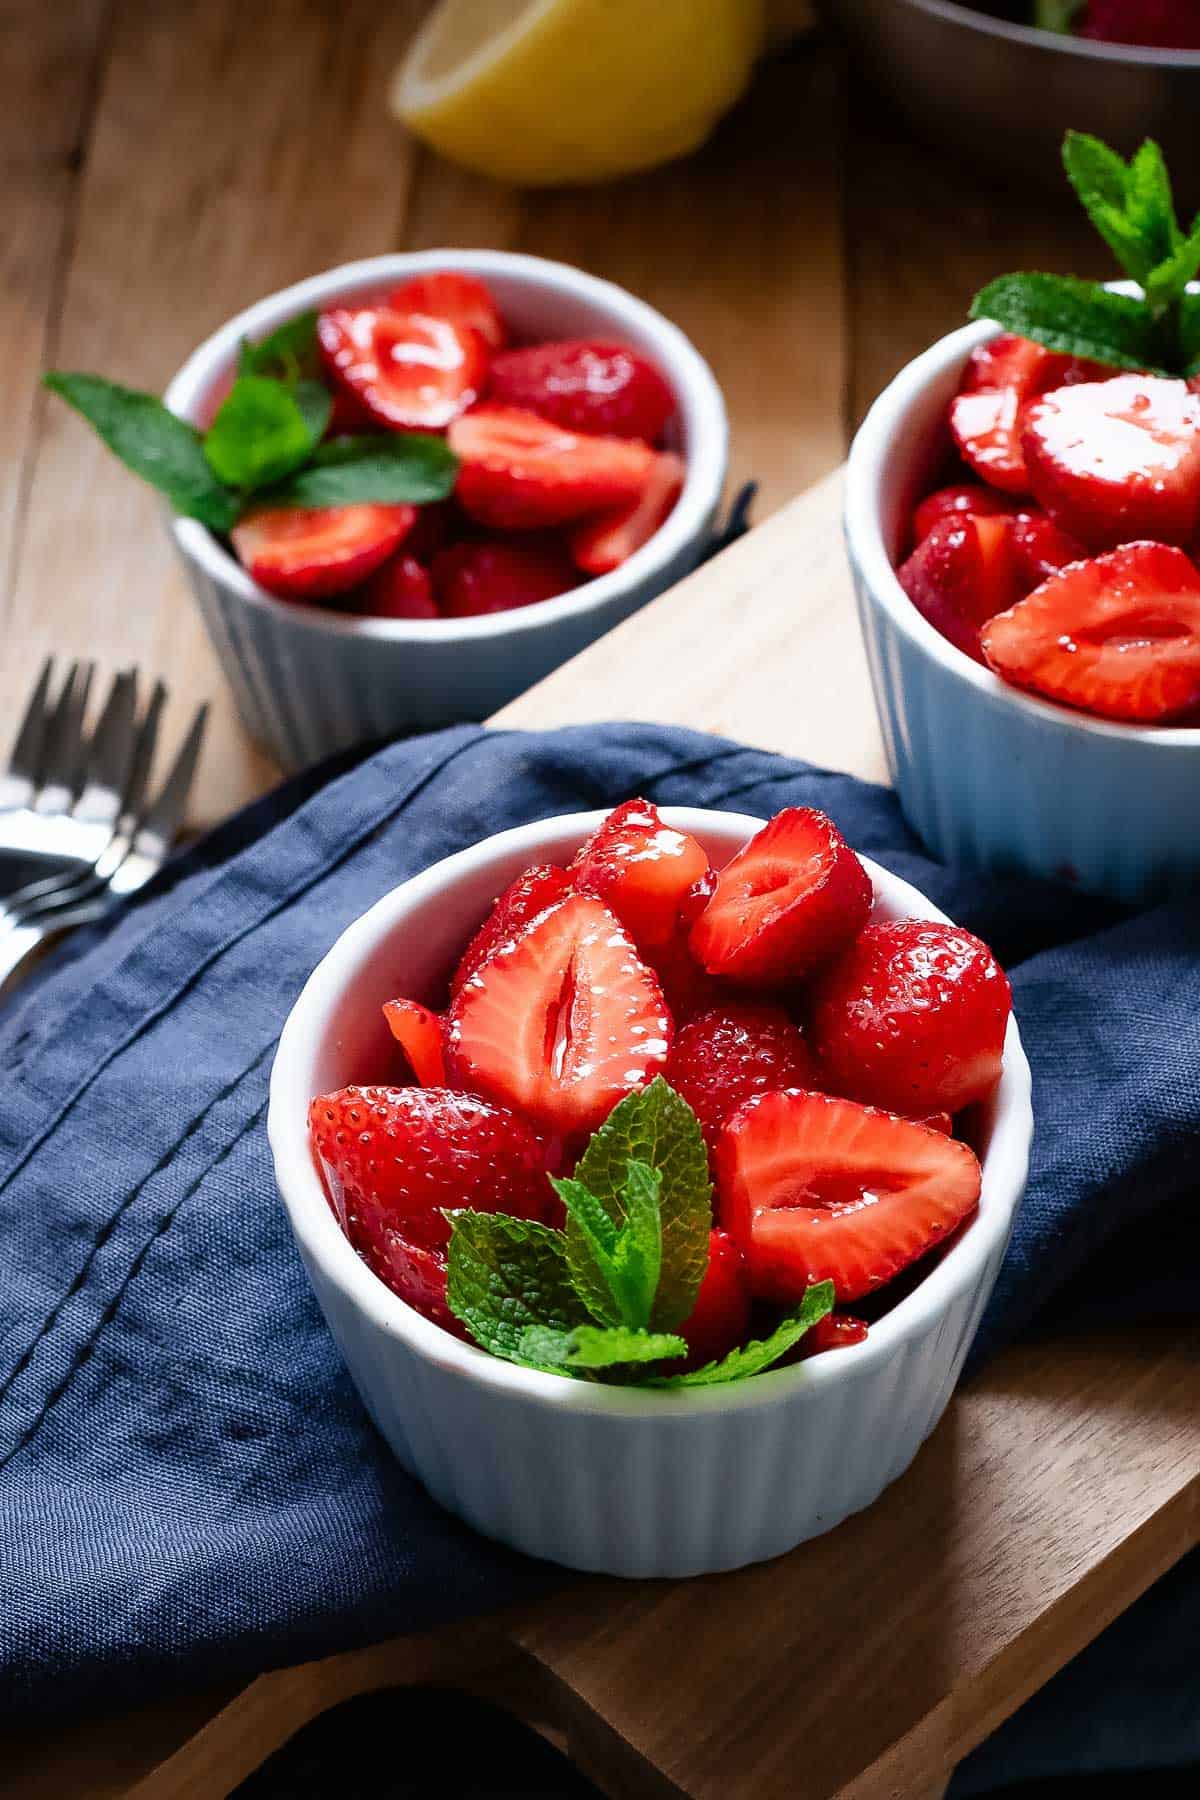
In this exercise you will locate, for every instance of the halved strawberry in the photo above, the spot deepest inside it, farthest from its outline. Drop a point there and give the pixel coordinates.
(528, 897)
(1116, 460)
(961, 575)
(411, 371)
(497, 576)
(418, 1031)
(911, 1016)
(986, 415)
(720, 1318)
(836, 1331)
(602, 544)
(562, 1023)
(787, 902)
(310, 553)
(971, 498)
(687, 988)
(586, 386)
(451, 294)
(641, 869)
(814, 1188)
(1118, 636)
(723, 1056)
(518, 472)
(401, 589)
(418, 1274)
(1040, 548)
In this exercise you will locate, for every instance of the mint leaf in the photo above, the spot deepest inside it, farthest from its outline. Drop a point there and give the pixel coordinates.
(261, 432)
(288, 353)
(1080, 318)
(639, 1247)
(1056, 15)
(597, 1347)
(1094, 171)
(388, 470)
(316, 406)
(753, 1358)
(1189, 333)
(1150, 205)
(617, 1268)
(656, 1127)
(163, 450)
(1167, 283)
(505, 1275)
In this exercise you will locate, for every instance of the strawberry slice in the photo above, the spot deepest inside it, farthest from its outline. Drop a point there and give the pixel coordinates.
(311, 553)
(814, 1188)
(986, 415)
(1040, 548)
(519, 472)
(411, 371)
(952, 502)
(529, 896)
(722, 1057)
(836, 1331)
(911, 1017)
(562, 1023)
(418, 1274)
(1156, 24)
(494, 576)
(1117, 460)
(586, 386)
(788, 901)
(450, 294)
(962, 575)
(418, 1031)
(641, 869)
(602, 544)
(1118, 636)
(401, 589)
(720, 1318)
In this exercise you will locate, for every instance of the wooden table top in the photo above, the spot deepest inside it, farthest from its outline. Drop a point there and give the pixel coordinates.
(173, 167)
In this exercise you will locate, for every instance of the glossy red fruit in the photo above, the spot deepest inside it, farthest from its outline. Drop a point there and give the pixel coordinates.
(518, 472)
(720, 1320)
(529, 896)
(911, 1017)
(986, 416)
(939, 1121)
(641, 869)
(395, 1157)
(562, 1023)
(1156, 24)
(418, 1031)
(586, 386)
(1118, 636)
(401, 589)
(494, 576)
(314, 552)
(1040, 548)
(814, 1188)
(687, 988)
(961, 575)
(450, 294)
(788, 901)
(724, 1056)
(411, 371)
(836, 1331)
(348, 417)
(602, 544)
(1117, 460)
(967, 498)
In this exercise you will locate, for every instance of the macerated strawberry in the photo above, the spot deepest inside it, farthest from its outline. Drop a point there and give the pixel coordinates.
(722, 1057)
(720, 1318)
(911, 1017)
(1040, 548)
(1156, 24)
(562, 1023)
(1118, 636)
(939, 1121)
(788, 901)
(309, 553)
(687, 988)
(417, 1273)
(970, 498)
(641, 868)
(418, 1031)
(1116, 460)
(519, 472)
(961, 575)
(836, 1331)
(986, 416)
(602, 544)
(451, 294)
(814, 1188)
(491, 576)
(585, 386)
(412, 371)
(401, 589)
(528, 897)
(395, 1157)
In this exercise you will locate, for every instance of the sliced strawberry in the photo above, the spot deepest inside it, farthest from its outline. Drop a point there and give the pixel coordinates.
(961, 575)
(562, 1023)
(836, 1331)
(641, 869)
(395, 1157)
(348, 416)
(939, 1121)
(411, 371)
(912, 1017)
(529, 896)
(519, 472)
(311, 553)
(697, 898)
(401, 589)
(418, 1031)
(724, 1056)
(986, 415)
(1040, 548)
(585, 386)
(602, 544)
(450, 294)
(494, 576)
(787, 902)
(1117, 460)
(952, 502)
(720, 1319)
(437, 524)
(1156, 24)
(1118, 636)
(687, 988)
(418, 1275)
(814, 1188)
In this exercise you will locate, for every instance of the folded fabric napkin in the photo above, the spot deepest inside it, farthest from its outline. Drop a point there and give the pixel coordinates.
(189, 1488)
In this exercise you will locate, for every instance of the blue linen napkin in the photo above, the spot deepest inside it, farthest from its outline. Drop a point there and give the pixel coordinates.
(189, 1488)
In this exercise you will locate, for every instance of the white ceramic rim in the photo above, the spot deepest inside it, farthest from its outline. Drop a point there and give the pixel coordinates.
(1066, 43)
(1005, 1163)
(881, 436)
(692, 381)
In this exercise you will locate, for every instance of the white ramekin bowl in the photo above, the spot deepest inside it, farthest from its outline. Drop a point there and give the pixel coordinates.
(622, 1481)
(308, 681)
(986, 774)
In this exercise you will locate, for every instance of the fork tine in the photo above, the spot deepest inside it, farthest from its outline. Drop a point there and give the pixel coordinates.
(64, 743)
(26, 757)
(166, 815)
(143, 755)
(110, 753)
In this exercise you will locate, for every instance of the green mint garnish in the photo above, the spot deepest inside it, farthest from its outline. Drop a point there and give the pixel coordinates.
(753, 1358)
(264, 430)
(1057, 15)
(508, 1274)
(620, 1261)
(1132, 207)
(598, 1346)
(288, 353)
(393, 468)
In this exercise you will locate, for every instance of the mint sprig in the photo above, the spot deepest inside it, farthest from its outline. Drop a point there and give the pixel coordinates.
(598, 1347)
(760, 1353)
(1056, 15)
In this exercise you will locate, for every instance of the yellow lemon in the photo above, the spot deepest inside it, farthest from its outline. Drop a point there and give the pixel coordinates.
(540, 92)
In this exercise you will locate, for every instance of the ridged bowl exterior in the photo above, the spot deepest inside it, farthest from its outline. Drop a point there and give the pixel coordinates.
(617, 1480)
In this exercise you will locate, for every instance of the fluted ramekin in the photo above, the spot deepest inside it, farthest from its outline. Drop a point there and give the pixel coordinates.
(618, 1480)
(988, 775)
(309, 681)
